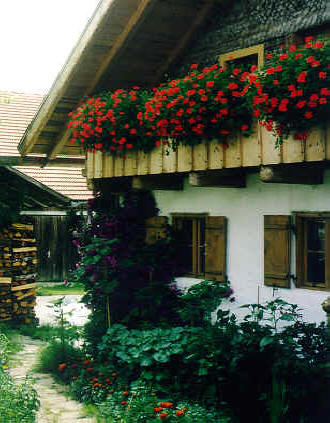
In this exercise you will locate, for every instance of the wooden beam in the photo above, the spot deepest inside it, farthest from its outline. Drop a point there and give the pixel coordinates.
(292, 174)
(64, 78)
(233, 178)
(158, 182)
(184, 41)
(129, 29)
(112, 185)
(40, 161)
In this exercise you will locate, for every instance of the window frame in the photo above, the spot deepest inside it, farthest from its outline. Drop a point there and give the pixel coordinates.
(197, 271)
(258, 49)
(301, 250)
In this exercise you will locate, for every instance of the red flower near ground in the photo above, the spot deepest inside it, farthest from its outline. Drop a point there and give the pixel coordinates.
(180, 413)
(163, 416)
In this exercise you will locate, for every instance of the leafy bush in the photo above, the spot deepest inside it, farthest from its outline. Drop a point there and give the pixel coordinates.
(245, 365)
(202, 299)
(19, 403)
(141, 404)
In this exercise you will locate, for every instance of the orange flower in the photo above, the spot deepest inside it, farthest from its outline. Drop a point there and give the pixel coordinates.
(166, 404)
(61, 367)
(123, 402)
(180, 413)
(163, 416)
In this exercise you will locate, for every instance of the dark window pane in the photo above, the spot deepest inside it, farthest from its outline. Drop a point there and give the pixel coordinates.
(316, 235)
(246, 61)
(316, 267)
(185, 236)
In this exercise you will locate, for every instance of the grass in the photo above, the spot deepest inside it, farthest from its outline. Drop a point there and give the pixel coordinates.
(60, 289)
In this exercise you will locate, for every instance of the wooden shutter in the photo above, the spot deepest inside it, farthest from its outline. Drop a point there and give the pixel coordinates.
(277, 232)
(215, 247)
(155, 228)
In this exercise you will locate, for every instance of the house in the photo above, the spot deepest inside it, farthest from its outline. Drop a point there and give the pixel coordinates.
(256, 215)
(50, 192)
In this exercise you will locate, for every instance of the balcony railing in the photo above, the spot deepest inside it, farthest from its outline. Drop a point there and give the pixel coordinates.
(258, 149)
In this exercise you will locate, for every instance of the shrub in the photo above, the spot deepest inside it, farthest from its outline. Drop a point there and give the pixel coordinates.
(18, 403)
(141, 404)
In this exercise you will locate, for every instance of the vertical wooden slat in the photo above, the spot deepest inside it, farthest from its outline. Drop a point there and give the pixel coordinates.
(215, 155)
(143, 163)
(315, 145)
(130, 163)
(118, 166)
(108, 165)
(251, 148)
(277, 233)
(184, 158)
(169, 160)
(98, 164)
(233, 156)
(270, 154)
(90, 165)
(156, 160)
(215, 247)
(293, 150)
(199, 153)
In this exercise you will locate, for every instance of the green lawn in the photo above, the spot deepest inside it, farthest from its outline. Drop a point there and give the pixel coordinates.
(60, 289)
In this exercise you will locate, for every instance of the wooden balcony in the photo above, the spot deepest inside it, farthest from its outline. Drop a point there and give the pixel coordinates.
(258, 149)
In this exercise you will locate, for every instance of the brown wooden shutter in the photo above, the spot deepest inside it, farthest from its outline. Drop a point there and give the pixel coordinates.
(277, 232)
(215, 247)
(155, 228)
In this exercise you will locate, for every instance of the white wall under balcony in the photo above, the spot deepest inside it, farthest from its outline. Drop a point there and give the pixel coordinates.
(245, 208)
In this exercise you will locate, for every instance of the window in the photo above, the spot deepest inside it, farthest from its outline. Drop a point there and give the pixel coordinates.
(247, 56)
(202, 240)
(191, 235)
(313, 250)
(312, 233)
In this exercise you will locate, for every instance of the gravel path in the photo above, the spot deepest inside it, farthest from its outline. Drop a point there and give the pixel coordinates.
(55, 405)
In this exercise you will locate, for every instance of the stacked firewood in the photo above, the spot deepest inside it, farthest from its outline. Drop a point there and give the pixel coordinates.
(18, 264)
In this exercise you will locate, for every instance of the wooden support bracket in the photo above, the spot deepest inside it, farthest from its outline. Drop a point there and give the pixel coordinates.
(112, 185)
(227, 178)
(293, 174)
(158, 182)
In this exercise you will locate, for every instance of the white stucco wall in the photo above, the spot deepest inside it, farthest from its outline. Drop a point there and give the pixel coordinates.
(245, 208)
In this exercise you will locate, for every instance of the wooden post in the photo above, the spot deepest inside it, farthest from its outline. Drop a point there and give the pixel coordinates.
(298, 174)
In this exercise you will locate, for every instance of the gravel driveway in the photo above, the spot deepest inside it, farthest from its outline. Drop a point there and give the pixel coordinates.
(75, 312)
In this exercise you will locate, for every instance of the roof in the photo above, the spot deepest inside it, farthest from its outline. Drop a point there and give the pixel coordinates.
(125, 43)
(36, 195)
(67, 181)
(16, 112)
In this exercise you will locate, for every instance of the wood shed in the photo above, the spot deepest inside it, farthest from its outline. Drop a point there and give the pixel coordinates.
(24, 240)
